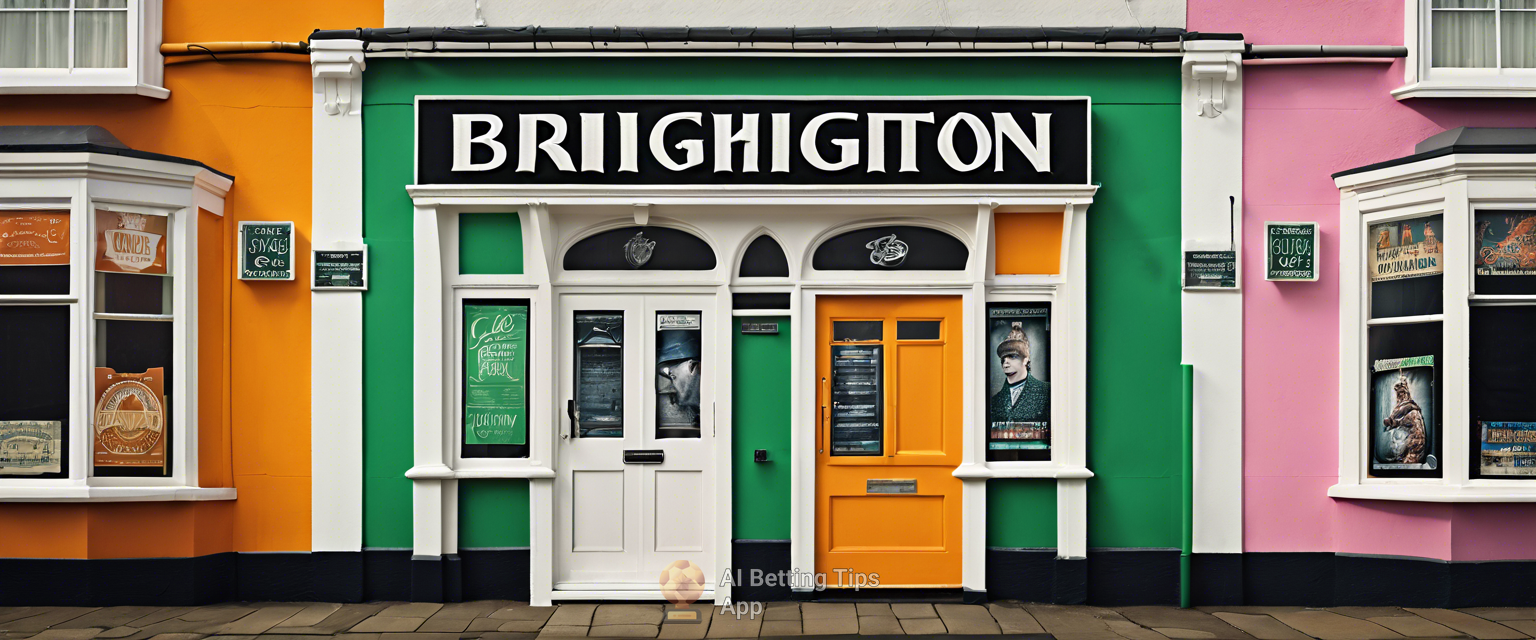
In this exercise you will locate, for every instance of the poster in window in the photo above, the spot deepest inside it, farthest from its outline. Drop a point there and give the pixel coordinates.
(1018, 381)
(1509, 449)
(1407, 249)
(599, 375)
(679, 370)
(34, 238)
(1506, 243)
(30, 447)
(130, 242)
(129, 420)
(1403, 418)
(495, 374)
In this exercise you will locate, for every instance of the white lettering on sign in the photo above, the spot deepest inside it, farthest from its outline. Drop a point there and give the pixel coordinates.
(462, 141)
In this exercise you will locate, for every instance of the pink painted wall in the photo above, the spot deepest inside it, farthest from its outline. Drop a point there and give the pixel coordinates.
(1302, 124)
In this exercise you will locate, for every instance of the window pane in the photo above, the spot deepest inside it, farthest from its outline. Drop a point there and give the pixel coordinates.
(1503, 409)
(1403, 398)
(1518, 39)
(34, 388)
(135, 347)
(1462, 38)
(131, 242)
(858, 401)
(101, 39)
(1018, 352)
(600, 374)
(34, 39)
(34, 4)
(494, 378)
(1406, 267)
(679, 370)
(1518, 4)
(133, 293)
(917, 330)
(1504, 252)
(34, 252)
(101, 4)
(857, 330)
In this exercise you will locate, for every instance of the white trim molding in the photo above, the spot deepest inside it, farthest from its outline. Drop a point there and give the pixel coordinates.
(1212, 199)
(338, 68)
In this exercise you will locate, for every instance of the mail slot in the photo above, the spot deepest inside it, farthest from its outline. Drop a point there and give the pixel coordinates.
(644, 456)
(890, 485)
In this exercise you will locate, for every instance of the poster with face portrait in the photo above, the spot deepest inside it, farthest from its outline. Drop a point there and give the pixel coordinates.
(679, 369)
(1404, 429)
(1407, 249)
(1019, 381)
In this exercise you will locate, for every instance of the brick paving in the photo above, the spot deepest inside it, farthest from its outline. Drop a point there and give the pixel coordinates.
(503, 620)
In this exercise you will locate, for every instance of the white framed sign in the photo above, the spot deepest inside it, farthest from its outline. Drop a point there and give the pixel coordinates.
(265, 251)
(1290, 250)
(342, 267)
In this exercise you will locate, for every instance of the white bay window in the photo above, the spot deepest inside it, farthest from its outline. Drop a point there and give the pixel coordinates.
(81, 46)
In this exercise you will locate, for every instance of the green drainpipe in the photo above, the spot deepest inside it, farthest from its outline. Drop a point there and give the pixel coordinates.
(1187, 492)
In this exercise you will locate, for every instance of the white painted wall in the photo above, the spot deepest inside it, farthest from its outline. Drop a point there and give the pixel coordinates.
(787, 13)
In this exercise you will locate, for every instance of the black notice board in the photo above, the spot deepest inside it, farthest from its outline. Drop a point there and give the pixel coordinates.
(1290, 250)
(1210, 269)
(342, 269)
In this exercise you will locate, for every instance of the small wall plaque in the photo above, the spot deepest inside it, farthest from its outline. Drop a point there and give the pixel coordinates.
(761, 328)
(890, 485)
(265, 251)
(1290, 250)
(340, 269)
(1210, 269)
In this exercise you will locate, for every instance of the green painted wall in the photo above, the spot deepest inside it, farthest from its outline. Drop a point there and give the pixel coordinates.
(760, 379)
(1021, 514)
(493, 513)
(1133, 249)
(490, 243)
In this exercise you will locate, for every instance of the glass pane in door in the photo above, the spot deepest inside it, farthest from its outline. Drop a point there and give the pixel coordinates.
(678, 373)
(599, 374)
(858, 425)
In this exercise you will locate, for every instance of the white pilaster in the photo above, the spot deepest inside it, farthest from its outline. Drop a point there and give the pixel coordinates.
(1212, 125)
(336, 317)
(429, 506)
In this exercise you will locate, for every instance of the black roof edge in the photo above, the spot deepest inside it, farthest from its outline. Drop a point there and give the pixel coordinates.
(872, 35)
(111, 151)
(1436, 153)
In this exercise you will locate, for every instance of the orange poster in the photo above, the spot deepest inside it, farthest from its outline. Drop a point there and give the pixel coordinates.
(33, 238)
(130, 242)
(130, 418)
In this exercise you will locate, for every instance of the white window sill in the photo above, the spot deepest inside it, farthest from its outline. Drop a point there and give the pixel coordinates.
(1466, 89)
(990, 470)
(443, 472)
(113, 494)
(1521, 492)
(131, 89)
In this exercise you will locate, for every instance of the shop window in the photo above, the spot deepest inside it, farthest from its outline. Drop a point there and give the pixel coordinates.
(1018, 344)
(764, 258)
(891, 248)
(493, 378)
(81, 46)
(642, 248)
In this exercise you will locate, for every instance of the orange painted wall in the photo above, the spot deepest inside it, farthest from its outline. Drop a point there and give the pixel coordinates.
(1028, 242)
(248, 116)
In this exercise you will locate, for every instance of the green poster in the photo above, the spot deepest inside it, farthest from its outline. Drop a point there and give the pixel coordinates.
(495, 373)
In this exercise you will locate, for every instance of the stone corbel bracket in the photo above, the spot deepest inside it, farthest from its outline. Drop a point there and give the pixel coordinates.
(1210, 66)
(338, 67)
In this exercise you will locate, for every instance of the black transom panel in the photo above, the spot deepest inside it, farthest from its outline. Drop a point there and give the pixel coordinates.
(642, 248)
(891, 248)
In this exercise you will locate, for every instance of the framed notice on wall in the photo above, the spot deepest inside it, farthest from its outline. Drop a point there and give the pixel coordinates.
(1290, 250)
(265, 251)
(494, 378)
(340, 269)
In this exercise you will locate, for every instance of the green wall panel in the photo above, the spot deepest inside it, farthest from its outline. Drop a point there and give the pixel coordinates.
(1021, 514)
(493, 513)
(490, 243)
(760, 404)
(1133, 248)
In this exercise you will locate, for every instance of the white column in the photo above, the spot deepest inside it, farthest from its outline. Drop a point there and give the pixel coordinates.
(431, 461)
(1212, 133)
(1072, 493)
(336, 317)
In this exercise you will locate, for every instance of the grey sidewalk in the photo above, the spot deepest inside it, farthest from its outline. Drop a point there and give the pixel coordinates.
(502, 620)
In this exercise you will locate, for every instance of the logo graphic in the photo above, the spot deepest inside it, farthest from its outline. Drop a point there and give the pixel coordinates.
(887, 251)
(129, 419)
(682, 582)
(637, 251)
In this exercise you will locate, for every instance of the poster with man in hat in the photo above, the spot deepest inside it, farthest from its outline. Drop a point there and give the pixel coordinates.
(1019, 412)
(678, 373)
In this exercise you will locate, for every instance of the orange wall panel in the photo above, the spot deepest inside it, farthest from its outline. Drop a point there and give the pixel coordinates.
(248, 116)
(1027, 242)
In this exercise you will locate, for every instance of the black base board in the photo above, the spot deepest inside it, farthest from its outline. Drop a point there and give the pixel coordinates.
(752, 563)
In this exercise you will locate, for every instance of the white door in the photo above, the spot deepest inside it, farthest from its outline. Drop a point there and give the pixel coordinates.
(635, 488)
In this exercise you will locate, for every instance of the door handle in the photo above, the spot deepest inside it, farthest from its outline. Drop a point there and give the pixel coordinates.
(821, 420)
(572, 413)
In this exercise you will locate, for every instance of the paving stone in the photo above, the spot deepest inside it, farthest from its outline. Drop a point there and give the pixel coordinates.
(623, 631)
(563, 631)
(502, 635)
(46, 618)
(682, 631)
(1073, 623)
(311, 615)
(727, 625)
(471, 610)
(1527, 627)
(358, 636)
(176, 625)
(110, 617)
(1471, 625)
(967, 619)
(1012, 618)
(627, 614)
(1415, 627)
(923, 626)
(525, 612)
(488, 624)
(519, 626)
(1497, 614)
(776, 628)
(118, 632)
(444, 625)
(241, 637)
(179, 636)
(8, 614)
(781, 611)
(873, 609)
(388, 624)
(217, 614)
(344, 618)
(1366, 613)
(418, 636)
(829, 626)
(161, 615)
(811, 610)
(1261, 626)
(1262, 611)
(1132, 631)
(1332, 626)
(68, 634)
(261, 620)
(569, 615)
(1187, 624)
(411, 610)
(906, 610)
(885, 625)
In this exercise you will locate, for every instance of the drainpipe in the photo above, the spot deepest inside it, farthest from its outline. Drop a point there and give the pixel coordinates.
(1187, 493)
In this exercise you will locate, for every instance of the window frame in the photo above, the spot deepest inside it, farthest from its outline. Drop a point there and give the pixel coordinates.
(143, 75)
(1423, 80)
(1456, 187)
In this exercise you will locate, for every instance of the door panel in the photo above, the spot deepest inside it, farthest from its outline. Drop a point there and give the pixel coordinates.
(597, 522)
(889, 384)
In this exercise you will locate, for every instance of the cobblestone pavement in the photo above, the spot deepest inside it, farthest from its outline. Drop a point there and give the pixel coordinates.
(502, 620)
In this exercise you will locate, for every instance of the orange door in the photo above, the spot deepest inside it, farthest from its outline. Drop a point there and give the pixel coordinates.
(888, 439)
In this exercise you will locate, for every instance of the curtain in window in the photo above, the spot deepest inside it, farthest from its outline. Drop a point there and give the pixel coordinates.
(101, 39)
(1463, 38)
(1518, 40)
(33, 39)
